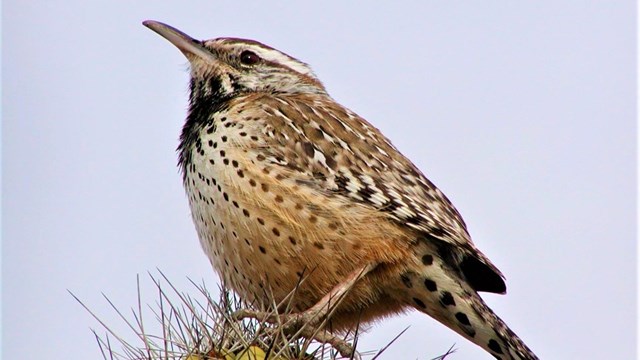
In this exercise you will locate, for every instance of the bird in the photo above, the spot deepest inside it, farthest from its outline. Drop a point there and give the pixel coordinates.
(288, 189)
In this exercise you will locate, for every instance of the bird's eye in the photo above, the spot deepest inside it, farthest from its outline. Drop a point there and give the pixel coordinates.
(249, 57)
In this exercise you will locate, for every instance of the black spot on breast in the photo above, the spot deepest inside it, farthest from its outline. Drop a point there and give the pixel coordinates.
(430, 285)
(446, 299)
(420, 303)
(462, 318)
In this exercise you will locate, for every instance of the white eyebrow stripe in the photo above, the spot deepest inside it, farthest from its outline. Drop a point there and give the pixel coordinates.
(280, 58)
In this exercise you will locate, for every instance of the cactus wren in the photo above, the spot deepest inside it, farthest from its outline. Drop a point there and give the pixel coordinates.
(284, 183)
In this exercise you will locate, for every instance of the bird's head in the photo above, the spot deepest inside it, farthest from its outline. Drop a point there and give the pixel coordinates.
(227, 67)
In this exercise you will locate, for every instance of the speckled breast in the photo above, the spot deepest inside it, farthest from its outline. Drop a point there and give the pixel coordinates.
(261, 231)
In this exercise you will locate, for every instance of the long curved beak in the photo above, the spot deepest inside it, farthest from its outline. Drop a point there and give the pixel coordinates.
(189, 46)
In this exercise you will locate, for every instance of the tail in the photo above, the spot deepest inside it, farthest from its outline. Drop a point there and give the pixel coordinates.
(436, 289)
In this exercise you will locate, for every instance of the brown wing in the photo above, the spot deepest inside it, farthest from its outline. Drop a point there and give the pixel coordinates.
(337, 152)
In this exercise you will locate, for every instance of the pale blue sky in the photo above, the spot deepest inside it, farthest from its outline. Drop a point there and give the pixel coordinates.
(523, 113)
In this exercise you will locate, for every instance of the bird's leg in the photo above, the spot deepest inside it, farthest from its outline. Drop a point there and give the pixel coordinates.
(310, 322)
(325, 307)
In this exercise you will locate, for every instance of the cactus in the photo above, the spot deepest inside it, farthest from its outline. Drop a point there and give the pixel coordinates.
(203, 328)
